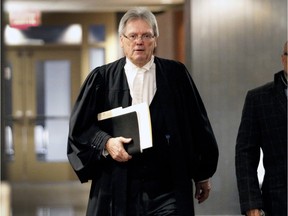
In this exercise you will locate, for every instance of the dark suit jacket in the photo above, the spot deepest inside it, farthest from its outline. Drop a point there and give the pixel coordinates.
(263, 125)
(193, 152)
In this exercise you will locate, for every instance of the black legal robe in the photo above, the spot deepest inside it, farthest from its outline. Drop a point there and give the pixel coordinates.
(193, 151)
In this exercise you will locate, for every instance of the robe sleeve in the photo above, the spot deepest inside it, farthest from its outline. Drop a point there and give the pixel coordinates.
(200, 143)
(85, 139)
(207, 148)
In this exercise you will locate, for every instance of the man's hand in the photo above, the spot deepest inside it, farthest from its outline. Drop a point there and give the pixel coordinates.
(253, 212)
(115, 148)
(202, 190)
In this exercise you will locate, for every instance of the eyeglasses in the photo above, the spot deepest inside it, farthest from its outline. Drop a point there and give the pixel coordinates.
(144, 37)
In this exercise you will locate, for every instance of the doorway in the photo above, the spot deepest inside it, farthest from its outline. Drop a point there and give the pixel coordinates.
(40, 85)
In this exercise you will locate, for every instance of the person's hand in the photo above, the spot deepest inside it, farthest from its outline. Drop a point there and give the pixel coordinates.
(253, 212)
(202, 190)
(115, 148)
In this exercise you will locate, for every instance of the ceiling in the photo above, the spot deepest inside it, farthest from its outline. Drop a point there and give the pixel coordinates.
(86, 5)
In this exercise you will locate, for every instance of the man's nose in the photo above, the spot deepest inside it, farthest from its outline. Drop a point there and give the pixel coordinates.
(139, 40)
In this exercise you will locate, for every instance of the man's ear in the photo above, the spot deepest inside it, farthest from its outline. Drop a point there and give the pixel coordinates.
(121, 41)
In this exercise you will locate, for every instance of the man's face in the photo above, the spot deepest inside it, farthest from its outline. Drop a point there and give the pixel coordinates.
(284, 58)
(140, 50)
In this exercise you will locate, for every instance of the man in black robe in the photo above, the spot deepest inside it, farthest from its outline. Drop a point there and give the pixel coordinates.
(157, 181)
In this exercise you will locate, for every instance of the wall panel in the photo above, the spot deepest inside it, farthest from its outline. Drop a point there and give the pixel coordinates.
(235, 46)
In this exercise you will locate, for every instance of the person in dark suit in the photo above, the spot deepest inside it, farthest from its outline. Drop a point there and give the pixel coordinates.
(264, 125)
(157, 181)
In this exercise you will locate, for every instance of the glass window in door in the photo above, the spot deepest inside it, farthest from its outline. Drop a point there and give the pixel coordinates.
(52, 109)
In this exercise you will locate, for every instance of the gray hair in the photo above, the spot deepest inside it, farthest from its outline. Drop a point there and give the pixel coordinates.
(139, 13)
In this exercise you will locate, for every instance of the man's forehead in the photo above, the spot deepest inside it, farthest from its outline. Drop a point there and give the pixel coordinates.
(134, 28)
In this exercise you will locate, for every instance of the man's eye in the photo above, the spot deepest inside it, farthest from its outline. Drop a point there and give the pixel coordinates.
(132, 37)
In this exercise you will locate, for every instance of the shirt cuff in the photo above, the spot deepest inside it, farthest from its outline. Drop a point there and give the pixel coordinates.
(105, 153)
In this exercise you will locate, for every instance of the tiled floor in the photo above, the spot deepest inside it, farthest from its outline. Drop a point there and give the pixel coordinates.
(53, 199)
(49, 199)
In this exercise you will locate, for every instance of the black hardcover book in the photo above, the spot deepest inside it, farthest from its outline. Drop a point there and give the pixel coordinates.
(126, 126)
(130, 122)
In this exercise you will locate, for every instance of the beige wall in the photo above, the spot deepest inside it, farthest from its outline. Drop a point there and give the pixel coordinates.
(171, 40)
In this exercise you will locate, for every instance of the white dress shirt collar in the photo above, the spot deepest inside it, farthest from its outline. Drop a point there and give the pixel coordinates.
(141, 81)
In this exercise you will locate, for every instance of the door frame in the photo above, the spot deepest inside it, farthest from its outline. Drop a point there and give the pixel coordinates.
(26, 167)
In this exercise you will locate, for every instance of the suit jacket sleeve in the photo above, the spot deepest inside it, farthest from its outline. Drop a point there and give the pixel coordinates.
(247, 156)
(85, 140)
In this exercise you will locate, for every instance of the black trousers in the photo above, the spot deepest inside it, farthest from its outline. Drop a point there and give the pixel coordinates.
(162, 205)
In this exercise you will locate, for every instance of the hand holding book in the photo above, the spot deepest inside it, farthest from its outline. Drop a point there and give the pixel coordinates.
(130, 122)
(115, 148)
